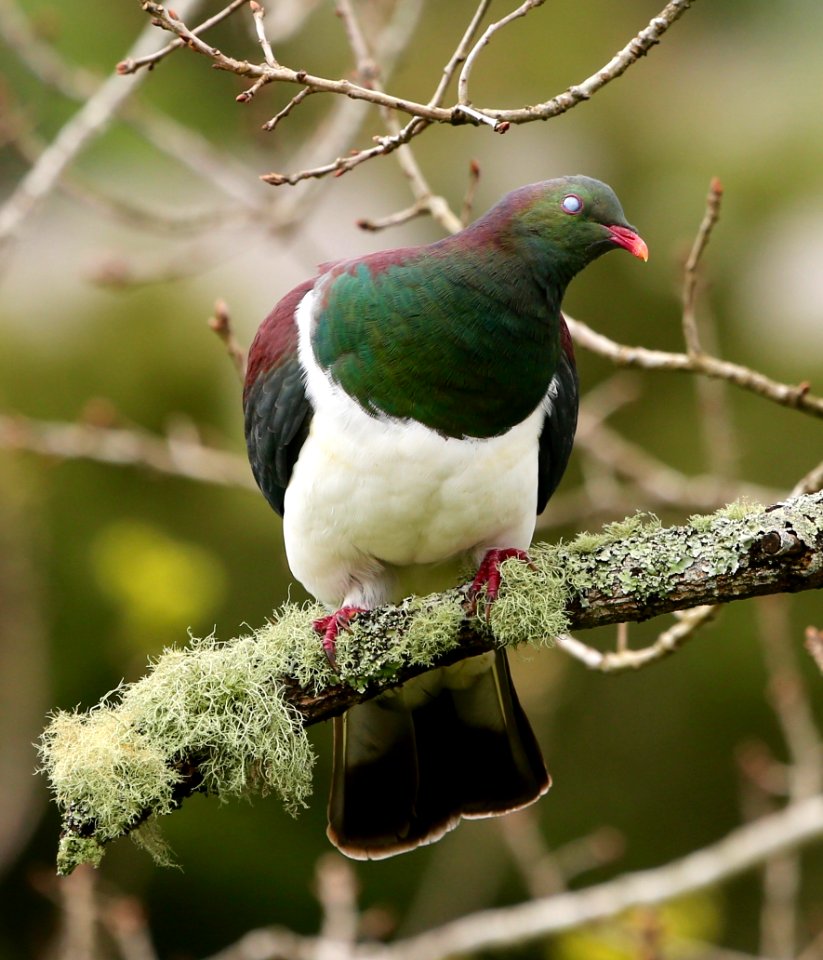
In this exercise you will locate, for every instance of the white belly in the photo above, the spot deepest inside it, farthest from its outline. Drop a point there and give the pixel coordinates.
(367, 494)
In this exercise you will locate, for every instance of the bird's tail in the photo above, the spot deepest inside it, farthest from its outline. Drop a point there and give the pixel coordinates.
(409, 764)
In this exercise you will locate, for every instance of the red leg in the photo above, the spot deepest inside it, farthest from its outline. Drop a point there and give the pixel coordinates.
(329, 628)
(488, 574)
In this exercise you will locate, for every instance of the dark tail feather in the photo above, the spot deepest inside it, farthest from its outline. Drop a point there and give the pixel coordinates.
(408, 765)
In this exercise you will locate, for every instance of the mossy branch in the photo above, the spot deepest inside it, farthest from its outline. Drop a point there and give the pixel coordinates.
(229, 718)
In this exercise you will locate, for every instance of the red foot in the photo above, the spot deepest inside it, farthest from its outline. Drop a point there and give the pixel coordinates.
(488, 575)
(329, 627)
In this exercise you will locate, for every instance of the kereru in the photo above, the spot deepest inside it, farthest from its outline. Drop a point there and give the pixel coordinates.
(407, 407)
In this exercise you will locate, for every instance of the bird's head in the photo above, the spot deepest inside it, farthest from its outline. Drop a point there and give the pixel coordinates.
(568, 222)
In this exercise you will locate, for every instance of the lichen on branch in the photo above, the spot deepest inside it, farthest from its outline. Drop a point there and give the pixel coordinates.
(229, 719)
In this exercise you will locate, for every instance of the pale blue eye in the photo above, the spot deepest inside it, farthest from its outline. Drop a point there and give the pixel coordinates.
(571, 203)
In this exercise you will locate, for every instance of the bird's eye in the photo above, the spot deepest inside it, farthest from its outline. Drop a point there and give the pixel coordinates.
(571, 203)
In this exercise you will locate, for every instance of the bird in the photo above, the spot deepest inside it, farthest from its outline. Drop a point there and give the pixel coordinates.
(403, 408)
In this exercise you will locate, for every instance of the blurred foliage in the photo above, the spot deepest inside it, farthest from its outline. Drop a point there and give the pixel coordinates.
(121, 561)
(159, 584)
(680, 928)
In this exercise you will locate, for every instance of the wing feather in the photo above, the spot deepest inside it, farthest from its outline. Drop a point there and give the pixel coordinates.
(277, 411)
(557, 436)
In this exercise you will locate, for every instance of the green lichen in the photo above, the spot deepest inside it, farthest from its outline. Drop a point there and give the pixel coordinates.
(638, 523)
(413, 633)
(737, 510)
(74, 850)
(219, 705)
(532, 606)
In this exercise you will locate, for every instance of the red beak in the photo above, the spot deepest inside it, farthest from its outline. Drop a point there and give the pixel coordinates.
(629, 240)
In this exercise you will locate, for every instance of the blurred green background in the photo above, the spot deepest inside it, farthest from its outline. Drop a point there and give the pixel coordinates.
(102, 566)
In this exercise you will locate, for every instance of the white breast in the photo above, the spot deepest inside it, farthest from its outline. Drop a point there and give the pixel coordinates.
(367, 494)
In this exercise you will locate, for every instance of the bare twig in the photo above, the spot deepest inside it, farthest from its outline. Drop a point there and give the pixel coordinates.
(336, 889)
(343, 123)
(150, 60)
(89, 122)
(295, 101)
(78, 898)
(548, 871)
(787, 695)
(463, 80)
(460, 53)
(167, 455)
(426, 200)
(471, 189)
(506, 927)
(797, 397)
(688, 623)
(660, 483)
(814, 644)
(421, 114)
(221, 324)
(689, 295)
(789, 699)
(811, 483)
(417, 209)
(125, 919)
(636, 48)
(259, 14)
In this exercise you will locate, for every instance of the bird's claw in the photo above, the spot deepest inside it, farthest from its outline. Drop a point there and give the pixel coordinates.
(329, 628)
(488, 576)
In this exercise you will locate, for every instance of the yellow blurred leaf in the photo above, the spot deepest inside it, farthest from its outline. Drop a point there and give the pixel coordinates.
(158, 583)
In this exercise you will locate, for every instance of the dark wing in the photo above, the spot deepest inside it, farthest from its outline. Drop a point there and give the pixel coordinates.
(277, 411)
(560, 423)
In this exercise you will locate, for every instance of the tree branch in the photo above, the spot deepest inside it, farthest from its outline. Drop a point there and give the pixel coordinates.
(88, 122)
(228, 719)
(797, 396)
(421, 114)
(740, 850)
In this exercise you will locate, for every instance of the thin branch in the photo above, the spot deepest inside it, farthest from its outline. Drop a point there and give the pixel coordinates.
(368, 71)
(811, 483)
(295, 101)
(172, 456)
(548, 871)
(86, 124)
(258, 13)
(125, 920)
(133, 64)
(262, 74)
(689, 295)
(688, 622)
(659, 482)
(636, 48)
(471, 191)
(814, 645)
(798, 397)
(417, 209)
(788, 698)
(460, 53)
(336, 889)
(463, 80)
(221, 324)
(342, 124)
(506, 927)
(790, 701)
